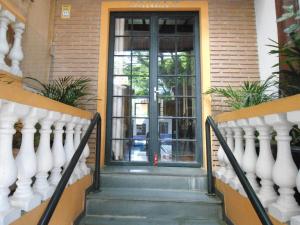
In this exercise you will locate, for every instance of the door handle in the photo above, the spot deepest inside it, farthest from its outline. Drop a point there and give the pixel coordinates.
(155, 92)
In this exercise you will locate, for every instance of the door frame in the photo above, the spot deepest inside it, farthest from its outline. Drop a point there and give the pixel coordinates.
(109, 6)
(153, 146)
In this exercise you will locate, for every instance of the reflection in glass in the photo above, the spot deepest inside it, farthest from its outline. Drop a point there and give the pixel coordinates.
(186, 65)
(140, 26)
(167, 149)
(140, 107)
(185, 25)
(166, 64)
(166, 86)
(166, 107)
(167, 45)
(122, 26)
(186, 128)
(122, 46)
(120, 150)
(140, 128)
(167, 128)
(122, 65)
(185, 86)
(120, 128)
(166, 26)
(185, 45)
(120, 106)
(140, 86)
(121, 85)
(140, 46)
(186, 107)
(139, 150)
(140, 65)
(186, 151)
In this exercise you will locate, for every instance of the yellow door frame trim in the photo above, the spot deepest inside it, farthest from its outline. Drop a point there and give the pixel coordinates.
(119, 6)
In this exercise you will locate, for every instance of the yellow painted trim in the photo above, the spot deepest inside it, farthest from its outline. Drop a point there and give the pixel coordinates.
(10, 79)
(238, 208)
(68, 209)
(16, 12)
(22, 96)
(282, 105)
(115, 6)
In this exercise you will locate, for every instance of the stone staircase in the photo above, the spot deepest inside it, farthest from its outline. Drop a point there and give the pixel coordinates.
(152, 196)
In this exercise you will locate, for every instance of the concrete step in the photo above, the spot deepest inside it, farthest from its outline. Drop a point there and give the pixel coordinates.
(101, 220)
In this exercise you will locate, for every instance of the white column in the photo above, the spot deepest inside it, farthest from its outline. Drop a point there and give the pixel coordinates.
(24, 197)
(69, 145)
(58, 152)
(16, 53)
(9, 114)
(5, 19)
(221, 154)
(77, 138)
(230, 142)
(86, 152)
(238, 151)
(294, 117)
(265, 162)
(250, 157)
(284, 171)
(44, 157)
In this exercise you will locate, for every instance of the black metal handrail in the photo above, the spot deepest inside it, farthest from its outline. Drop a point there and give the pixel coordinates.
(256, 204)
(44, 220)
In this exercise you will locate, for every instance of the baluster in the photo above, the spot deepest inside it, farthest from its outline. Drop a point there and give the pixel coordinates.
(69, 145)
(250, 157)
(284, 171)
(86, 151)
(16, 53)
(9, 114)
(5, 19)
(24, 197)
(77, 138)
(221, 154)
(238, 151)
(265, 162)
(44, 156)
(58, 152)
(230, 142)
(294, 117)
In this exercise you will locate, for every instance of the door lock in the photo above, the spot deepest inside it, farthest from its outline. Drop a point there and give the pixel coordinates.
(155, 92)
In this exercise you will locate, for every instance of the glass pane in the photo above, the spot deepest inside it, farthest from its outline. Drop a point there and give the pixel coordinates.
(120, 128)
(166, 107)
(122, 65)
(140, 107)
(186, 65)
(167, 46)
(166, 65)
(140, 65)
(120, 150)
(139, 150)
(140, 86)
(140, 46)
(166, 86)
(185, 25)
(186, 151)
(186, 107)
(167, 150)
(120, 106)
(122, 26)
(122, 46)
(166, 26)
(140, 128)
(121, 86)
(141, 26)
(186, 128)
(167, 129)
(186, 86)
(185, 46)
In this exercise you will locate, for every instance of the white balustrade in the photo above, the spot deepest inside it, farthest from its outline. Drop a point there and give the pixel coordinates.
(221, 154)
(249, 158)
(58, 152)
(86, 152)
(284, 171)
(24, 197)
(238, 151)
(15, 54)
(230, 142)
(77, 138)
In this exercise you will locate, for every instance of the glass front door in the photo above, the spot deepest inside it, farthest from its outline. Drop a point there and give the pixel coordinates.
(154, 89)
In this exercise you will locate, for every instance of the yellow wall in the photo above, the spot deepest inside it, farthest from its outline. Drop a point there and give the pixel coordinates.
(117, 6)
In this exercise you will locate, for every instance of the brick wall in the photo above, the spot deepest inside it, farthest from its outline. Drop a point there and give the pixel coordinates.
(232, 42)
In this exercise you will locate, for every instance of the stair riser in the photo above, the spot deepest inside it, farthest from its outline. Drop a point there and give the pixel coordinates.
(150, 209)
(155, 182)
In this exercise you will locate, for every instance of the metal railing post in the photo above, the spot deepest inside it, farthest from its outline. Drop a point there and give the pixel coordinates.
(96, 183)
(210, 182)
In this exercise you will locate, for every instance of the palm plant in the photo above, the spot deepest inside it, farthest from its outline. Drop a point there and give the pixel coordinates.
(67, 89)
(249, 94)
